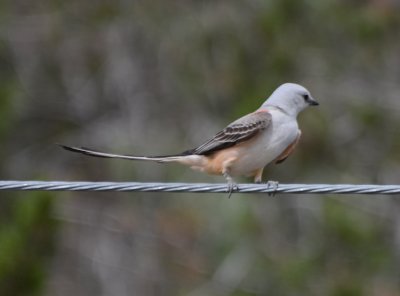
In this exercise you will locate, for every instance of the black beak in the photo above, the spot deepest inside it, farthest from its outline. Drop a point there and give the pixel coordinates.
(310, 100)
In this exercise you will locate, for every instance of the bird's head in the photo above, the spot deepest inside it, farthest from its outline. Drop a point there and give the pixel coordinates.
(292, 98)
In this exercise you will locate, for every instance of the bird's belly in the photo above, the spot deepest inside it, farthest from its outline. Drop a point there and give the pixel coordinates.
(262, 151)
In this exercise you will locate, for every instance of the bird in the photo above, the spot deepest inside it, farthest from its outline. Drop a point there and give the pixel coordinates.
(244, 147)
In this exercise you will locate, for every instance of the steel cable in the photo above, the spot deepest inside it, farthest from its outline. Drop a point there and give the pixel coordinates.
(197, 187)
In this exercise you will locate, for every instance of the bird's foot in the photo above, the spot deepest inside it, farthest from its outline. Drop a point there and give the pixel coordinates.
(232, 186)
(273, 185)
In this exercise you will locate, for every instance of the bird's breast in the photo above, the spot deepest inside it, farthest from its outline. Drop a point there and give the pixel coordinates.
(265, 147)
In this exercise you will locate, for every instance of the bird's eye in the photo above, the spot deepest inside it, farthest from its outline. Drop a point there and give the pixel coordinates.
(306, 97)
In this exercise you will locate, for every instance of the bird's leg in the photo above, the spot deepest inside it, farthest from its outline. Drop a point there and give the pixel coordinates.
(270, 184)
(258, 176)
(232, 186)
(274, 185)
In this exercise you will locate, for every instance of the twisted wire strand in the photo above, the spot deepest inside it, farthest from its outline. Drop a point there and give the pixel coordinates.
(198, 187)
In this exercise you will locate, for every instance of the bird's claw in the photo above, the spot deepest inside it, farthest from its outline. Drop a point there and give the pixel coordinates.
(232, 186)
(273, 185)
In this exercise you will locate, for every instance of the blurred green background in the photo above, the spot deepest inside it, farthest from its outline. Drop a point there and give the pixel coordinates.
(158, 77)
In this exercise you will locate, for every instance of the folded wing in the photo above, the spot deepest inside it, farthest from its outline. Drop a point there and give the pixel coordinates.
(238, 131)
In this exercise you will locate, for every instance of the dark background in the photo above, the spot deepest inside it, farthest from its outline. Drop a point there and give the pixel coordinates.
(158, 77)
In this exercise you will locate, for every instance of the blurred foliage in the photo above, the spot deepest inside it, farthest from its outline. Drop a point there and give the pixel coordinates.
(26, 243)
(26, 227)
(154, 77)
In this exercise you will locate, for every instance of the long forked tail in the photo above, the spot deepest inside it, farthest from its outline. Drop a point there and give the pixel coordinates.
(90, 152)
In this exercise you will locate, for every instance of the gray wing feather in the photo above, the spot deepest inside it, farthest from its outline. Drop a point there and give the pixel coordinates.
(238, 131)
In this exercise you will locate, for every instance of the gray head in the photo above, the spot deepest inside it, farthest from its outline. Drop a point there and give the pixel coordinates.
(292, 98)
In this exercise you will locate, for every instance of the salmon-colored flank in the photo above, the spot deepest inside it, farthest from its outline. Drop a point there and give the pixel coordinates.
(218, 162)
(289, 150)
(263, 110)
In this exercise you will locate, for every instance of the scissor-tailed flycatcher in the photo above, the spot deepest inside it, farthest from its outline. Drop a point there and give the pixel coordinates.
(248, 144)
